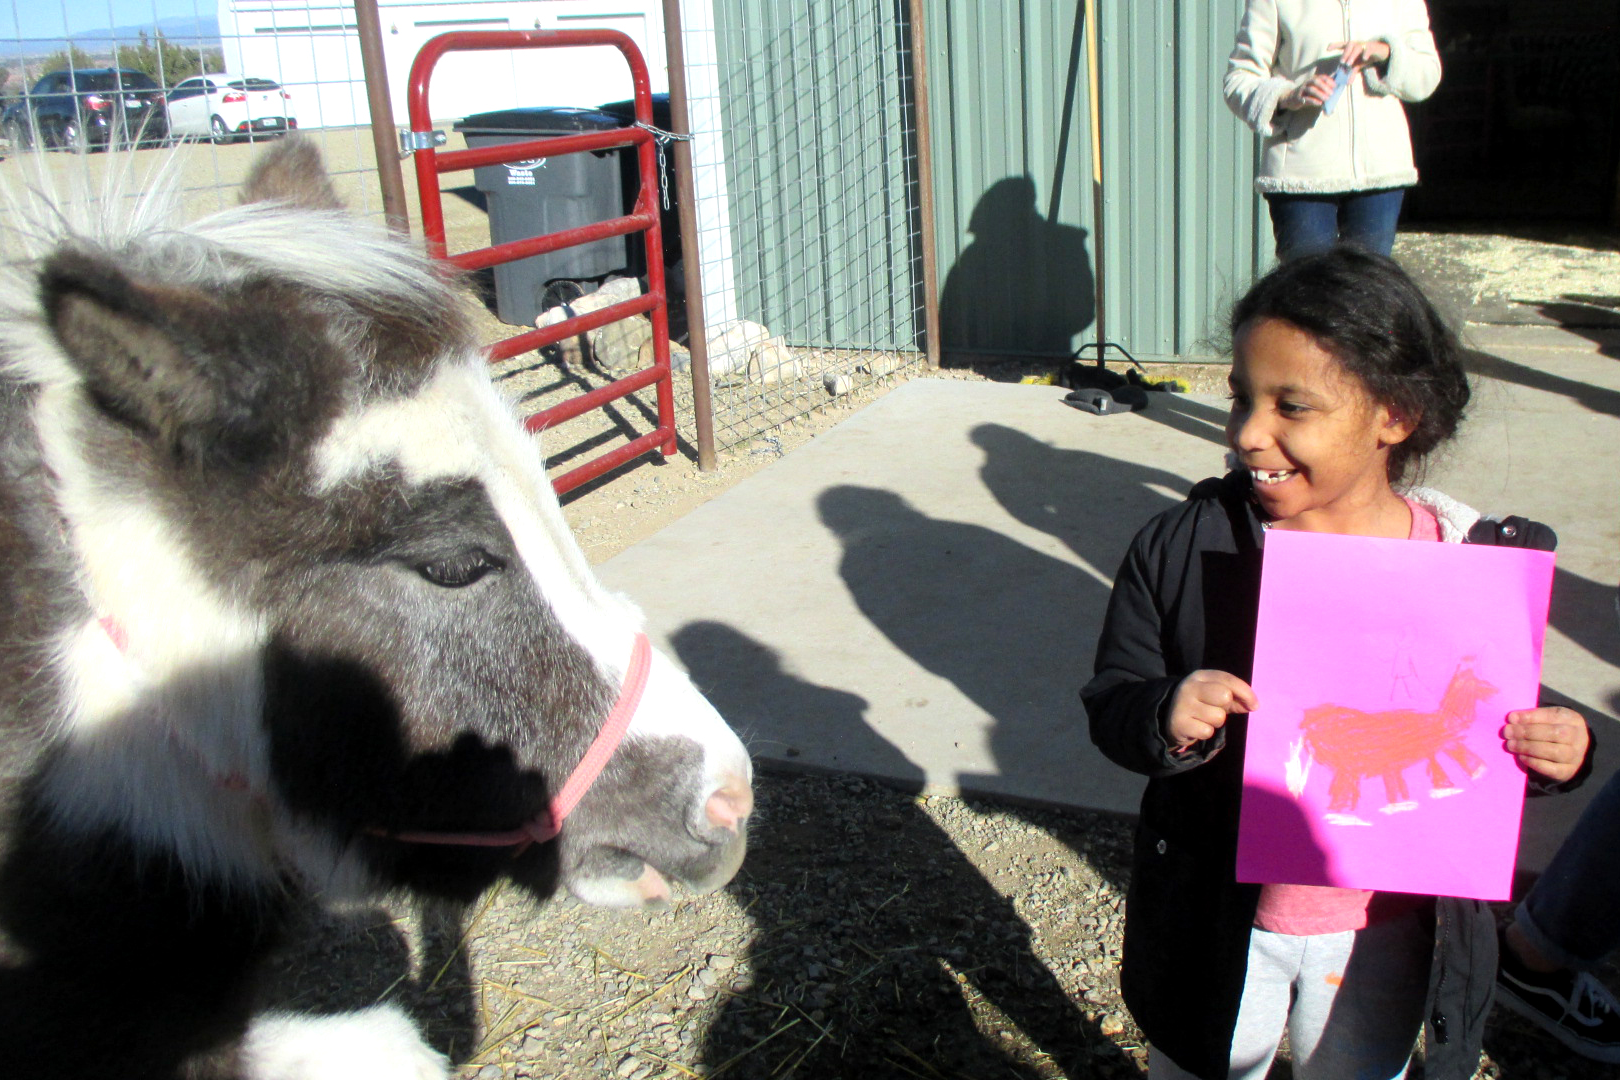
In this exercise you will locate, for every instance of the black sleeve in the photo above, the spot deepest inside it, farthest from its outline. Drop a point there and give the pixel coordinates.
(1130, 691)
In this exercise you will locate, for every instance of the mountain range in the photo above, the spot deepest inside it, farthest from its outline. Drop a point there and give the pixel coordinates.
(192, 31)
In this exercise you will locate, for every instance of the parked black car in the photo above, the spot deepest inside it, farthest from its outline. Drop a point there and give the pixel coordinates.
(84, 108)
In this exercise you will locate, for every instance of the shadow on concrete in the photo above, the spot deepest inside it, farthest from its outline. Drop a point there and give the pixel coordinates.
(1180, 413)
(847, 979)
(1598, 399)
(1583, 610)
(1092, 503)
(1023, 285)
(1596, 318)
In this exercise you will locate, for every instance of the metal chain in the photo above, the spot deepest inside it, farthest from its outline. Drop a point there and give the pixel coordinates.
(663, 138)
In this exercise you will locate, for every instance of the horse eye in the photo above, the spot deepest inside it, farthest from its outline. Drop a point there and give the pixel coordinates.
(461, 570)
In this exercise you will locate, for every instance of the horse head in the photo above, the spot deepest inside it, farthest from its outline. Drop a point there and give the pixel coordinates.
(323, 599)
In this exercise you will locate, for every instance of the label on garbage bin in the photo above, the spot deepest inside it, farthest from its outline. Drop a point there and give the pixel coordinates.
(521, 173)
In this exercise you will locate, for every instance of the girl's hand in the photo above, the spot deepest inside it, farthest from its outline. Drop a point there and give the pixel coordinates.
(1313, 94)
(1201, 704)
(1359, 54)
(1551, 740)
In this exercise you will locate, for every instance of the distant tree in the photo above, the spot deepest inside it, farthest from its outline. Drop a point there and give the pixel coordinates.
(160, 58)
(74, 57)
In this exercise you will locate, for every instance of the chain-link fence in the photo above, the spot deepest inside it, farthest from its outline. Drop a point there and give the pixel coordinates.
(89, 75)
(805, 169)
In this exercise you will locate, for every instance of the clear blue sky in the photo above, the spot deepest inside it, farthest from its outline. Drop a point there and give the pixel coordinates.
(57, 18)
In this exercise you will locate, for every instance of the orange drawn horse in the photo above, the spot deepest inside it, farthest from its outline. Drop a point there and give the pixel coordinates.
(1354, 745)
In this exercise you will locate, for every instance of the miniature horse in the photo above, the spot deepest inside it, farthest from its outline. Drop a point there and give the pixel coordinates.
(1355, 744)
(289, 612)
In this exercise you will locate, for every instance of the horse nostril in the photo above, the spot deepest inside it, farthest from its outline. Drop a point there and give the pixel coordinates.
(728, 806)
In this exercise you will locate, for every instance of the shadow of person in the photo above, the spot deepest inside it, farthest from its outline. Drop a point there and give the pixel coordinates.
(1092, 503)
(1004, 623)
(1598, 399)
(1583, 610)
(1023, 285)
(866, 971)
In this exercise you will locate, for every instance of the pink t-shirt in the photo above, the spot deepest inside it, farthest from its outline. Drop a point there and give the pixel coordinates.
(1303, 910)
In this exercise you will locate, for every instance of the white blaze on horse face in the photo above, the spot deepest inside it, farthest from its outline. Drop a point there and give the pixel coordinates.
(458, 426)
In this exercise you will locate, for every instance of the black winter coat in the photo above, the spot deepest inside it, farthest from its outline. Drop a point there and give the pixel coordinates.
(1186, 598)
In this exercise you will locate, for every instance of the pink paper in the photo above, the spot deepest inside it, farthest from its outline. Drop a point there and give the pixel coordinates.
(1385, 670)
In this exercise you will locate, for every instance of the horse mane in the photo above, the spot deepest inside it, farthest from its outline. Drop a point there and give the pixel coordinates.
(288, 235)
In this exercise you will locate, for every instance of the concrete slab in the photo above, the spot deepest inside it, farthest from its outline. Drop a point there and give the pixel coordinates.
(916, 594)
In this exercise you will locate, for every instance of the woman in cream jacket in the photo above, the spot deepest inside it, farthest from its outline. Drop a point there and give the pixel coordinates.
(1332, 169)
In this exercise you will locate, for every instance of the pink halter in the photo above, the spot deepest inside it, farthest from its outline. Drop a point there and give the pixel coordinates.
(549, 823)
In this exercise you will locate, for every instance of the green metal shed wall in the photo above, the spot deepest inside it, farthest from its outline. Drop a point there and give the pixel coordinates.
(820, 167)
(1183, 231)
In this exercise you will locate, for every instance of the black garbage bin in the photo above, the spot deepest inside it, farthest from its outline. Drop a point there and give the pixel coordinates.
(668, 217)
(546, 195)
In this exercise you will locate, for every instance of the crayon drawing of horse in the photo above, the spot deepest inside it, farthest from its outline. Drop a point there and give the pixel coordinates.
(289, 613)
(1355, 745)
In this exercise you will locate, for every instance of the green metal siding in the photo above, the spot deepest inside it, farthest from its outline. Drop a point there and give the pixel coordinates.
(1012, 167)
(818, 168)
(1183, 231)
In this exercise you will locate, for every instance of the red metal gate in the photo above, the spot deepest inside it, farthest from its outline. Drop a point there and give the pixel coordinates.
(431, 162)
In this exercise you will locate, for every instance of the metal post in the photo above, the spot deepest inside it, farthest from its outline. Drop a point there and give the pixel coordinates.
(1096, 180)
(697, 337)
(383, 136)
(925, 180)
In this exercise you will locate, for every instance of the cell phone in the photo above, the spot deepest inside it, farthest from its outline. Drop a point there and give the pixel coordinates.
(1341, 79)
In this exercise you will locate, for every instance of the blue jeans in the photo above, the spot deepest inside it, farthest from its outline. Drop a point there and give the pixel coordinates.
(1304, 224)
(1571, 915)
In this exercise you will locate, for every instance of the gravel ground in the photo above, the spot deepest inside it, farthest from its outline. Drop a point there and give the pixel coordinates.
(872, 933)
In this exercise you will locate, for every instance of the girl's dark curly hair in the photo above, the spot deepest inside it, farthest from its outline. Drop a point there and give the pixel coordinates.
(1374, 319)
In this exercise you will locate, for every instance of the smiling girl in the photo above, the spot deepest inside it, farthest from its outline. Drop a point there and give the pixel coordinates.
(1344, 378)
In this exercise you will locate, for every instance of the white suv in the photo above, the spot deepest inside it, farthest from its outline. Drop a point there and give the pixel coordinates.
(224, 107)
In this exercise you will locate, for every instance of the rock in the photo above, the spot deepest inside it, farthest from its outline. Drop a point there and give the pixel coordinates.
(836, 384)
(612, 291)
(1111, 1025)
(773, 362)
(679, 358)
(730, 347)
(617, 347)
(743, 351)
(627, 1065)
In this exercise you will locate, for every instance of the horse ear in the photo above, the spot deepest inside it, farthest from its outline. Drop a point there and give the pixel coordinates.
(149, 357)
(291, 172)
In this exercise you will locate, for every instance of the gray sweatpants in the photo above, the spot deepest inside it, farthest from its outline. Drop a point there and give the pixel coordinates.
(1352, 1003)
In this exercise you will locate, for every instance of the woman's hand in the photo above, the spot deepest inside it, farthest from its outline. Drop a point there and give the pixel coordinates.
(1313, 94)
(1356, 55)
(1201, 704)
(1551, 740)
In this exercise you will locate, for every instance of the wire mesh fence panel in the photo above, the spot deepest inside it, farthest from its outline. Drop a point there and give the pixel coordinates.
(190, 85)
(804, 165)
